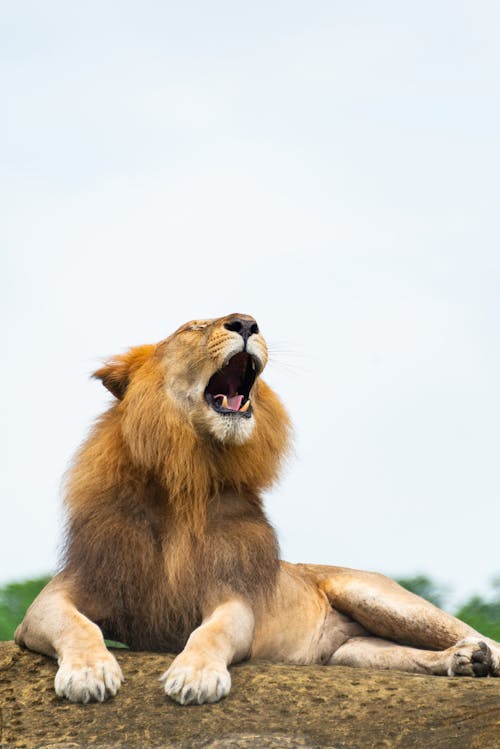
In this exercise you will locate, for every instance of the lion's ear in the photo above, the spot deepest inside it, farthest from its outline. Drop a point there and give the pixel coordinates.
(114, 376)
(116, 373)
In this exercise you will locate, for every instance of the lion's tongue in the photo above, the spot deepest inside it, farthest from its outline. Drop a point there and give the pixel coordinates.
(233, 401)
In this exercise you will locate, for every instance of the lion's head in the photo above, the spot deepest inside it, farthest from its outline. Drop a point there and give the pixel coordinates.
(213, 366)
(199, 392)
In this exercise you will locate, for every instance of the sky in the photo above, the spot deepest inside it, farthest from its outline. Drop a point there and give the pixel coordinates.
(330, 168)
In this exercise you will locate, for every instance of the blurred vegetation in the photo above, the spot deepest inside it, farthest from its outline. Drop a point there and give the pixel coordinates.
(425, 587)
(481, 613)
(14, 601)
(15, 598)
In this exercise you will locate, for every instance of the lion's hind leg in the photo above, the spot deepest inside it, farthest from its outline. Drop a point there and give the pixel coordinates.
(471, 657)
(390, 612)
(54, 626)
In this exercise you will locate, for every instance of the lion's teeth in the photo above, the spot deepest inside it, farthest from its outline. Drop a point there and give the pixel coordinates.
(246, 406)
(224, 403)
(253, 364)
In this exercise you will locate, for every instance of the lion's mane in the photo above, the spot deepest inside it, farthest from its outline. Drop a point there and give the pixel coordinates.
(145, 534)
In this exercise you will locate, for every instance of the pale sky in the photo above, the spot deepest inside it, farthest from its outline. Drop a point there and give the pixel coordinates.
(331, 168)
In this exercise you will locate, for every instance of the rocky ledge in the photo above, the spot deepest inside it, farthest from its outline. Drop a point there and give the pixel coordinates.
(270, 705)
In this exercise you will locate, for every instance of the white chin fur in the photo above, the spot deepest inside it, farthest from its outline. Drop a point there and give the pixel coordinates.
(230, 429)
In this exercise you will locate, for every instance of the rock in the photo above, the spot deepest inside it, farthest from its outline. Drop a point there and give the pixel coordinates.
(270, 705)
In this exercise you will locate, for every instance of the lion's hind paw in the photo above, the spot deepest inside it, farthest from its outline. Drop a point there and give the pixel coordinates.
(495, 659)
(470, 657)
(96, 680)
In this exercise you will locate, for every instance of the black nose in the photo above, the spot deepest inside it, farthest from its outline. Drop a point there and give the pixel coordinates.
(245, 328)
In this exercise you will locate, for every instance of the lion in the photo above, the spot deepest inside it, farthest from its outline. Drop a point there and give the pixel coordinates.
(168, 547)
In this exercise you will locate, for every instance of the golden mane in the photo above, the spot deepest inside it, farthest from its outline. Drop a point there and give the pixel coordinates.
(147, 531)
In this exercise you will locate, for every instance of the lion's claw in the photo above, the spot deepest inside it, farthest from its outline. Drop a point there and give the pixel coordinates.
(92, 681)
(189, 683)
(470, 657)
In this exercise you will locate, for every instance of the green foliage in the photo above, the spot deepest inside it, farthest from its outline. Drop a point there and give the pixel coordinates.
(483, 615)
(423, 586)
(14, 601)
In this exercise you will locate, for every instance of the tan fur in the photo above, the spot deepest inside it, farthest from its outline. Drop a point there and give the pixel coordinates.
(168, 547)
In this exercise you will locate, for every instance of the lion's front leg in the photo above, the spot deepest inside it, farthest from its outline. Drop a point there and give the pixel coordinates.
(54, 626)
(199, 674)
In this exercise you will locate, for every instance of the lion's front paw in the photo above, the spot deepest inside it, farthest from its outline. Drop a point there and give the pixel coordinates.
(88, 678)
(195, 680)
(470, 657)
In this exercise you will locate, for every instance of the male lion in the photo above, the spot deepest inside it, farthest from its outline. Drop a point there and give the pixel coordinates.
(168, 546)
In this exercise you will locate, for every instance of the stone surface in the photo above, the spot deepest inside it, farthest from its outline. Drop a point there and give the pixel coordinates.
(270, 705)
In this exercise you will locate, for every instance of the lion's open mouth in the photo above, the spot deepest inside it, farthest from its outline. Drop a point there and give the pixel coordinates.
(228, 390)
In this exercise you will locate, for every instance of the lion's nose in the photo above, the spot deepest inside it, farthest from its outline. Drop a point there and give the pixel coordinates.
(245, 328)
